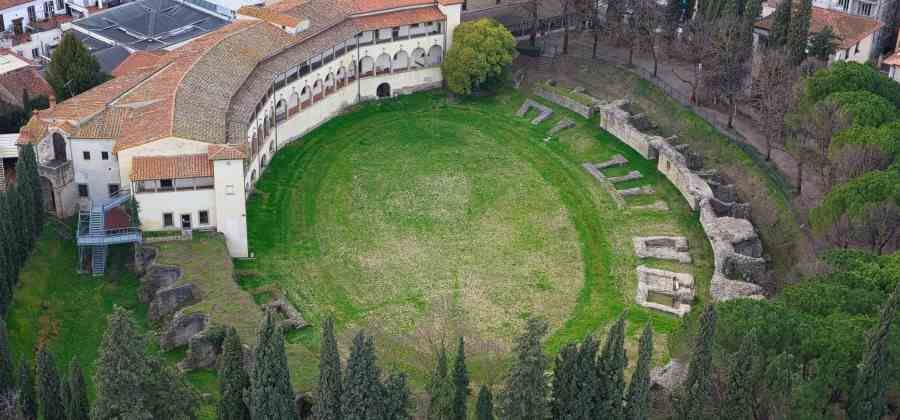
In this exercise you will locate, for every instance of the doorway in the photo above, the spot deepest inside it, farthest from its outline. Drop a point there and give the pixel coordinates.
(186, 221)
(384, 90)
(59, 148)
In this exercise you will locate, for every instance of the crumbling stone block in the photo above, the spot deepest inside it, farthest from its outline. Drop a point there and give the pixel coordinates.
(643, 190)
(157, 277)
(631, 176)
(561, 125)
(291, 319)
(616, 160)
(171, 299)
(181, 329)
(672, 248)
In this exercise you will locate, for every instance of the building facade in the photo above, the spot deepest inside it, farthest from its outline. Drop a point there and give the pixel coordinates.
(857, 36)
(189, 134)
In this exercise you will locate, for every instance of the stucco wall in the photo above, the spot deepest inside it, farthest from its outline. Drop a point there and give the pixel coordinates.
(153, 205)
(231, 214)
(96, 172)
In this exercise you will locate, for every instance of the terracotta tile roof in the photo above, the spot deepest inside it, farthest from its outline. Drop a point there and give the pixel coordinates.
(107, 125)
(96, 99)
(6, 4)
(403, 17)
(849, 29)
(145, 168)
(270, 15)
(26, 78)
(369, 6)
(33, 131)
(893, 60)
(137, 61)
(226, 152)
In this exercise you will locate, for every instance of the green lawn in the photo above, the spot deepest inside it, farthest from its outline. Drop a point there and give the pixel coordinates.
(420, 220)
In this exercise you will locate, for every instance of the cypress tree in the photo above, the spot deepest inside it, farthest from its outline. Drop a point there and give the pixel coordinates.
(362, 396)
(397, 398)
(440, 388)
(525, 396)
(233, 380)
(9, 261)
(798, 35)
(873, 377)
(271, 393)
(131, 382)
(484, 410)
(26, 403)
(28, 182)
(638, 399)
(77, 405)
(328, 406)
(586, 378)
(691, 402)
(611, 374)
(460, 382)
(781, 25)
(66, 396)
(49, 388)
(7, 383)
(566, 395)
(742, 385)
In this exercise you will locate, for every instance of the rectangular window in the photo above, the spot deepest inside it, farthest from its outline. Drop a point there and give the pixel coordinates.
(60, 5)
(104, 155)
(35, 53)
(32, 14)
(2, 25)
(82, 190)
(168, 220)
(113, 189)
(203, 217)
(165, 184)
(86, 155)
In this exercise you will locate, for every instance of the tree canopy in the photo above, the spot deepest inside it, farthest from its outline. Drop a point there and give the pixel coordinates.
(73, 69)
(479, 55)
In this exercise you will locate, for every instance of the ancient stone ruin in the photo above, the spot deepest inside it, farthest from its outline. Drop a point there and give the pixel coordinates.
(543, 111)
(289, 317)
(665, 291)
(737, 249)
(672, 248)
(561, 125)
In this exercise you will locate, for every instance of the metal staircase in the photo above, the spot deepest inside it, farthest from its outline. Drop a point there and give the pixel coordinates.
(94, 237)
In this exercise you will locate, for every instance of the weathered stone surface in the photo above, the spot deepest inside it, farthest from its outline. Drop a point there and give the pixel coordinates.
(673, 248)
(616, 160)
(292, 319)
(181, 329)
(561, 125)
(615, 118)
(157, 277)
(204, 349)
(656, 206)
(679, 287)
(670, 376)
(579, 108)
(643, 190)
(543, 111)
(168, 300)
(722, 289)
(633, 175)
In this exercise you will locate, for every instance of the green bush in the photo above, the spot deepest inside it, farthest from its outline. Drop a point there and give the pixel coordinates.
(480, 54)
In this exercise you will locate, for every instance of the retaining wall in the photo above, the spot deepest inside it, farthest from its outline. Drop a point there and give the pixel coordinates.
(565, 102)
(737, 249)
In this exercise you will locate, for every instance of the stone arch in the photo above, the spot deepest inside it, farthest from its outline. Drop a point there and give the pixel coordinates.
(384, 90)
(435, 55)
(341, 75)
(351, 71)
(281, 109)
(401, 60)
(304, 94)
(317, 88)
(59, 148)
(418, 59)
(329, 81)
(366, 66)
(293, 102)
(383, 64)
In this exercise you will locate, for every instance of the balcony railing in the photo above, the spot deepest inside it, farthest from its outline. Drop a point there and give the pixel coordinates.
(111, 237)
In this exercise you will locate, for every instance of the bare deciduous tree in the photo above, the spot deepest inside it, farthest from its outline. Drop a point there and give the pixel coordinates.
(692, 45)
(726, 68)
(813, 131)
(646, 19)
(772, 95)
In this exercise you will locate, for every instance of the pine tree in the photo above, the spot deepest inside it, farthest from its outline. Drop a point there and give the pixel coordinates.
(131, 382)
(781, 25)
(328, 406)
(525, 395)
(611, 374)
(565, 391)
(72, 69)
(638, 398)
(742, 385)
(26, 403)
(586, 378)
(798, 36)
(49, 388)
(7, 383)
(694, 396)
(233, 379)
(460, 382)
(397, 398)
(362, 394)
(77, 405)
(873, 375)
(779, 381)
(271, 393)
(484, 410)
(440, 389)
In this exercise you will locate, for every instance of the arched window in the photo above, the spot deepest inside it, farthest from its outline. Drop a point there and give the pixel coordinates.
(341, 75)
(401, 61)
(280, 110)
(304, 94)
(383, 64)
(351, 71)
(329, 81)
(435, 55)
(366, 66)
(59, 148)
(317, 88)
(418, 59)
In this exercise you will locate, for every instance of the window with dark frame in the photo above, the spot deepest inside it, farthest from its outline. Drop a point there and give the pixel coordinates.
(60, 5)
(2, 24)
(82, 190)
(166, 184)
(203, 217)
(168, 220)
(86, 155)
(113, 189)
(104, 155)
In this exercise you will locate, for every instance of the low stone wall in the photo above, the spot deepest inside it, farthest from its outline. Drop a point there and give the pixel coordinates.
(565, 102)
(737, 249)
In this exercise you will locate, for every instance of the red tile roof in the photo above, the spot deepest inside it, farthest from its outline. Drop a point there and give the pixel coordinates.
(26, 78)
(6, 4)
(145, 168)
(403, 17)
(139, 60)
(849, 29)
(226, 152)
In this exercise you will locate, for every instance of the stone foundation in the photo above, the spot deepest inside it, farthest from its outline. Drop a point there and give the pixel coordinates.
(565, 102)
(543, 111)
(678, 287)
(672, 248)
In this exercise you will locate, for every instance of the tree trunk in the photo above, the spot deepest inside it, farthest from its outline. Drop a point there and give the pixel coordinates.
(733, 111)
(596, 41)
(631, 54)
(799, 177)
(655, 61)
(566, 40)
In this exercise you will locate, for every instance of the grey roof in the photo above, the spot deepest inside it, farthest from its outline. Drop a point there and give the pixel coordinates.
(92, 44)
(150, 24)
(110, 58)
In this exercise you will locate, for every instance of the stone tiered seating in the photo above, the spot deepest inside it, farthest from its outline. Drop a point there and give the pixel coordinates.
(543, 111)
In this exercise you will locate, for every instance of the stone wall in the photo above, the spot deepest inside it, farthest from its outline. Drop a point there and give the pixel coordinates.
(565, 102)
(737, 249)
